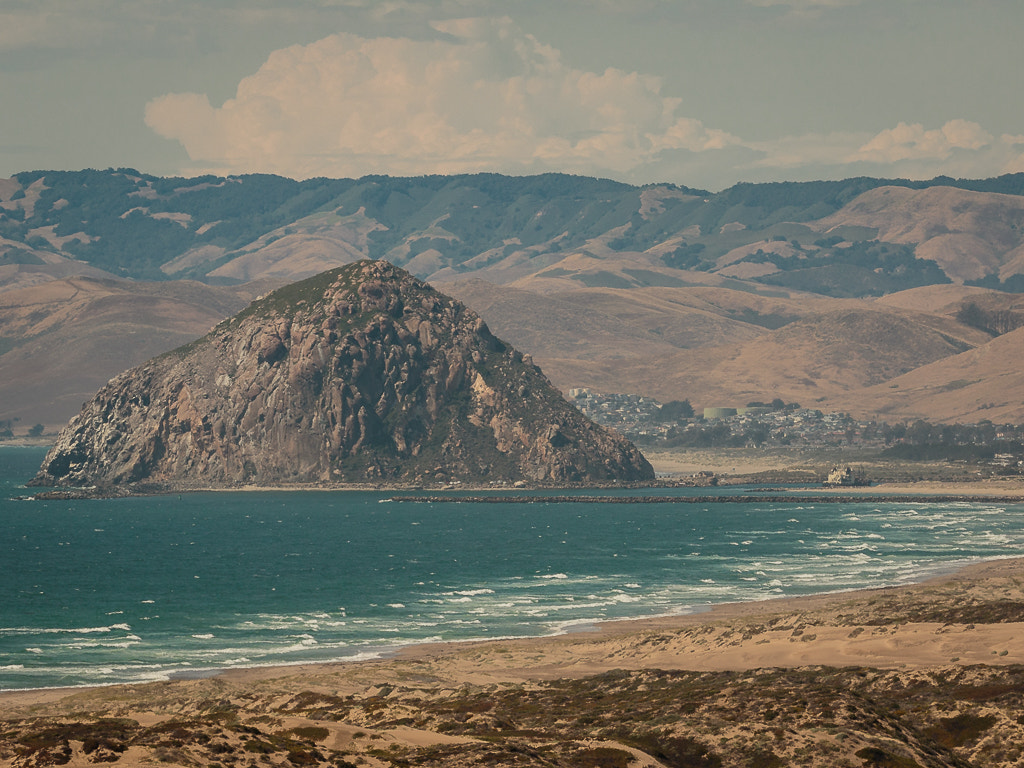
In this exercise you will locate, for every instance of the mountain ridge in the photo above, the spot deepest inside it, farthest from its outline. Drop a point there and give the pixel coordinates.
(235, 229)
(652, 290)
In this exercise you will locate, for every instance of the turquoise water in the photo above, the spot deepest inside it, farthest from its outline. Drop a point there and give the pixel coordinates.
(123, 590)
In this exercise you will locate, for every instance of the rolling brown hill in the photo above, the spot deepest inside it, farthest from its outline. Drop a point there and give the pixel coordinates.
(617, 340)
(941, 299)
(969, 234)
(820, 360)
(984, 383)
(762, 291)
(904, 356)
(62, 339)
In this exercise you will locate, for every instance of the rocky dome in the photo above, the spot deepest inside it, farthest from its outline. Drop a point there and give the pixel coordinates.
(360, 374)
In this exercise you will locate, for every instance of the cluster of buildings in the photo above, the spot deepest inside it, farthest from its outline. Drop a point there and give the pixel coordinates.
(626, 413)
(646, 421)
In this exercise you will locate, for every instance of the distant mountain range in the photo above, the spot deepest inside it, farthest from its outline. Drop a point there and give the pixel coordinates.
(887, 298)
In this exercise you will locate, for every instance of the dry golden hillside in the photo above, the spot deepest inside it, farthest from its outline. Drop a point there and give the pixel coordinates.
(901, 356)
(62, 339)
(712, 346)
(982, 383)
(659, 292)
(969, 234)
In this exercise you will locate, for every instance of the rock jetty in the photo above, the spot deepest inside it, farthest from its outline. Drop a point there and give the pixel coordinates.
(362, 374)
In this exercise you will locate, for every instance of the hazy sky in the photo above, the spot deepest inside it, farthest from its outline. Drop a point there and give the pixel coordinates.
(703, 93)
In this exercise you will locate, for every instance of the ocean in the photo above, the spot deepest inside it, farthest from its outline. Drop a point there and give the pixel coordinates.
(100, 592)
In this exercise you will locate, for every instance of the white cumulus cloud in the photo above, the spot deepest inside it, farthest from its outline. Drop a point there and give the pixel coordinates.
(483, 95)
(914, 142)
(959, 148)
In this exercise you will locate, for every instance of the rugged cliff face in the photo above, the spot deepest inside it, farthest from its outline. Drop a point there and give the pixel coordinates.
(360, 374)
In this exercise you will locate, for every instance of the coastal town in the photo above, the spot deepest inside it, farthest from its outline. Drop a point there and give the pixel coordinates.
(677, 424)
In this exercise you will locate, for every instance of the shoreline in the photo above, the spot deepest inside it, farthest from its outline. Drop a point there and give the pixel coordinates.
(598, 632)
(925, 674)
(801, 466)
(1003, 490)
(588, 632)
(995, 492)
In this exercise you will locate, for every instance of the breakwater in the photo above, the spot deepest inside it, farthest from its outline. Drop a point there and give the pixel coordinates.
(753, 498)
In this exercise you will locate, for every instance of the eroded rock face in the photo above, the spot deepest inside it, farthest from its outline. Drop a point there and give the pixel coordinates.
(360, 374)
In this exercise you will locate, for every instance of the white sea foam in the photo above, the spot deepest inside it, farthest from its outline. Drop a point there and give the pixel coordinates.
(659, 574)
(25, 630)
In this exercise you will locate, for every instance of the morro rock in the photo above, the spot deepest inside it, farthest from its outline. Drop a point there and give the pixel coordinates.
(360, 374)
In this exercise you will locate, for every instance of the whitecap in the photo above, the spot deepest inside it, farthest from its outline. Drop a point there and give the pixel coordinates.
(624, 598)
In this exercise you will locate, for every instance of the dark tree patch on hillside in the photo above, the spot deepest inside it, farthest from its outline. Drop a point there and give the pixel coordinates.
(133, 224)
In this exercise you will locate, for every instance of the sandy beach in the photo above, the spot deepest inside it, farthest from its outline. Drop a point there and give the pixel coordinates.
(927, 674)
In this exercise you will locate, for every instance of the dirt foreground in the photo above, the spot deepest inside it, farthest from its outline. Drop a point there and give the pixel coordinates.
(925, 675)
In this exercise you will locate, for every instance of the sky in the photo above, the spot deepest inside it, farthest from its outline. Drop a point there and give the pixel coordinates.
(700, 93)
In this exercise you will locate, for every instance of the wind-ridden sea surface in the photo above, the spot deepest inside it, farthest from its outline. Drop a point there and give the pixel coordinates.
(120, 590)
